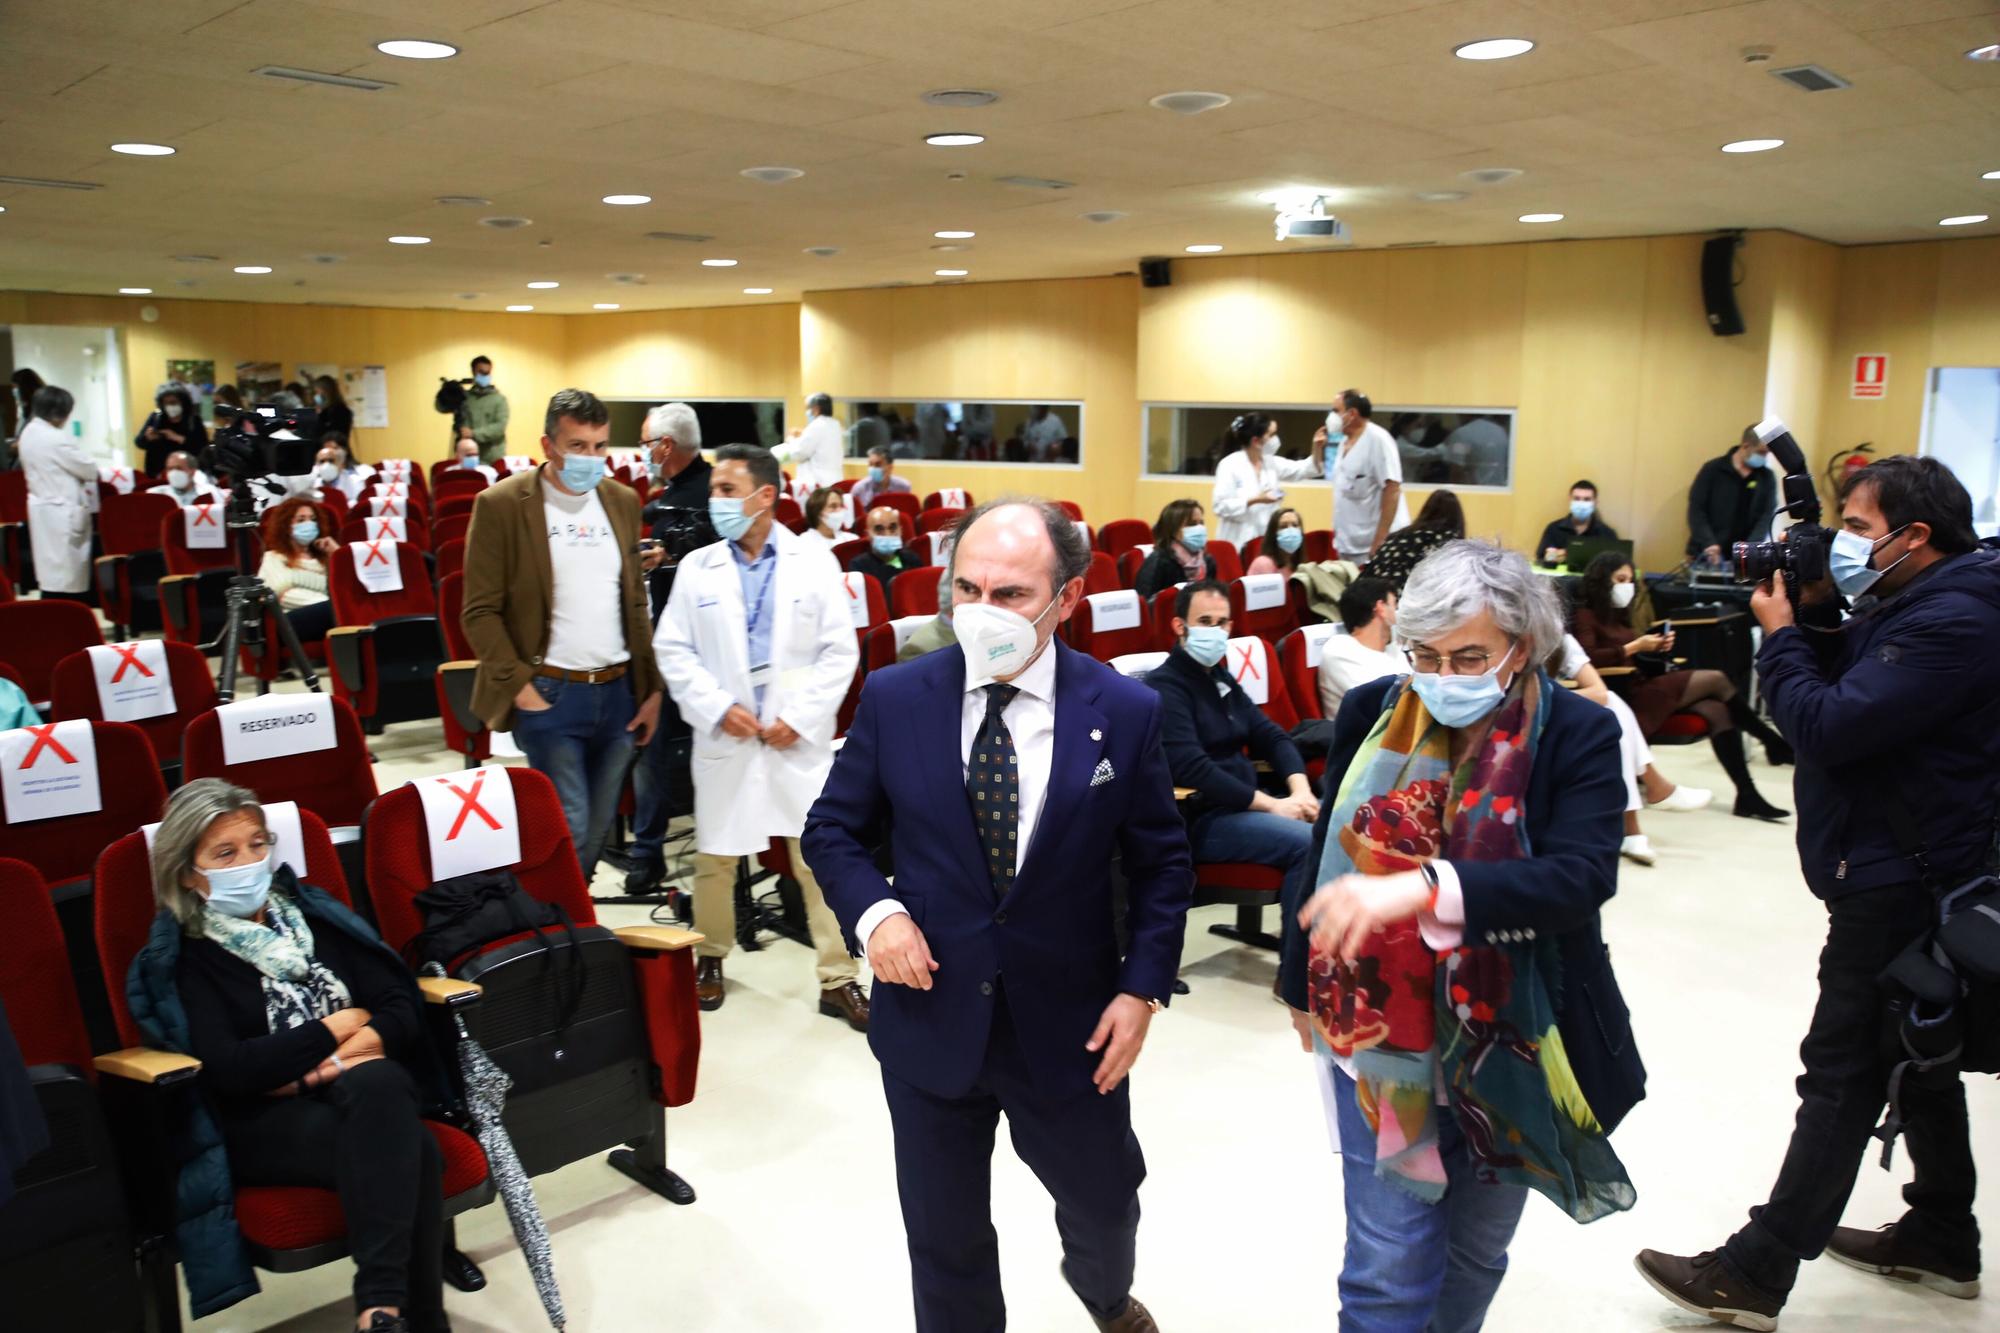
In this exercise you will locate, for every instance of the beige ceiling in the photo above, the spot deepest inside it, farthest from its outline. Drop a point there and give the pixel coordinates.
(1615, 120)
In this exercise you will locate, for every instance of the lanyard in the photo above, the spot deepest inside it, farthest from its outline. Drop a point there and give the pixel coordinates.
(756, 612)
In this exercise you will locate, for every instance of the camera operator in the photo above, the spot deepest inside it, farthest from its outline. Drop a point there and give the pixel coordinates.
(482, 418)
(1892, 714)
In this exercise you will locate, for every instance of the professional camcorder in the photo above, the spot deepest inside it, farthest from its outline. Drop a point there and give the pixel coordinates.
(683, 531)
(261, 441)
(1801, 557)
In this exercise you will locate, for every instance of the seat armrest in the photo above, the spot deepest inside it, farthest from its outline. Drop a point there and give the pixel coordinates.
(449, 992)
(179, 601)
(458, 679)
(344, 653)
(658, 939)
(144, 1064)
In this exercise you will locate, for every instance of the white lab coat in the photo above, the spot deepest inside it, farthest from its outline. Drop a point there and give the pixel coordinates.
(745, 792)
(62, 492)
(816, 455)
(1236, 519)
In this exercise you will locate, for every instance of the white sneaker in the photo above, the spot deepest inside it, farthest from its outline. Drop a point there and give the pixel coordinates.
(1684, 798)
(1637, 848)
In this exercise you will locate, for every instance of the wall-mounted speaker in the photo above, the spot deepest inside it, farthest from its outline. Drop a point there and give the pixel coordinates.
(1156, 272)
(1718, 285)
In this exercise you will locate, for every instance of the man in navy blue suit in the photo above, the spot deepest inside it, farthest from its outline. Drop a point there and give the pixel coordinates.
(1006, 777)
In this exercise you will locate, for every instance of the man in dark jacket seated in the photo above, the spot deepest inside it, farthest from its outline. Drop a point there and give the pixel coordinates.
(1212, 733)
(886, 555)
(1581, 523)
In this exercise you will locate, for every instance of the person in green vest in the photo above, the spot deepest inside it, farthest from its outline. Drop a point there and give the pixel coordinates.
(483, 418)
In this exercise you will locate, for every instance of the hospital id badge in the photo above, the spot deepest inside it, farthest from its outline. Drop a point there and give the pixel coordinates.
(760, 675)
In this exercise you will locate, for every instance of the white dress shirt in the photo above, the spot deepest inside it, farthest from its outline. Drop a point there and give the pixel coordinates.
(1031, 723)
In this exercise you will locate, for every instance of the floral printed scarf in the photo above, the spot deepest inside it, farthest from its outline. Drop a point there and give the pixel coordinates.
(1475, 1024)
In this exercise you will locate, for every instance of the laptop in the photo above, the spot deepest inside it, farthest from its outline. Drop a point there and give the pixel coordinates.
(1583, 550)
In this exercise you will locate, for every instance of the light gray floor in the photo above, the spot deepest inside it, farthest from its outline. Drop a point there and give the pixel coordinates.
(797, 1227)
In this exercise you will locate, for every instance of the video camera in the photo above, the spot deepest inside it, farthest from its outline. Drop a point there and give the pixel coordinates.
(682, 532)
(261, 441)
(1801, 557)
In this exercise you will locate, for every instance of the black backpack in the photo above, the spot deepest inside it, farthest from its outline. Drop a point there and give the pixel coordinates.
(467, 911)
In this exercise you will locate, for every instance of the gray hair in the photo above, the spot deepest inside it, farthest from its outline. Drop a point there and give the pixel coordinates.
(821, 403)
(1072, 552)
(190, 811)
(1460, 579)
(678, 421)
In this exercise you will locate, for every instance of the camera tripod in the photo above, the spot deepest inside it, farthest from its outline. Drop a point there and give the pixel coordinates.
(248, 600)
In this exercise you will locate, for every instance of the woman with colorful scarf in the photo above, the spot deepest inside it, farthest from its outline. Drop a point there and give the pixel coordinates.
(1449, 975)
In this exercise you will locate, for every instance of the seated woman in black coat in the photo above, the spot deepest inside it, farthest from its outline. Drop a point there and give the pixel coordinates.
(307, 1035)
(1179, 539)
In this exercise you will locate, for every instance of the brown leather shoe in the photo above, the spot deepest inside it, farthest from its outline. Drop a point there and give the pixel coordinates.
(846, 1001)
(708, 983)
(1135, 1318)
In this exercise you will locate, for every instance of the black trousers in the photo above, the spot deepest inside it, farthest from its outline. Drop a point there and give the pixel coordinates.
(361, 1136)
(311, 622)
(1841, 1098)
(1080, 1147)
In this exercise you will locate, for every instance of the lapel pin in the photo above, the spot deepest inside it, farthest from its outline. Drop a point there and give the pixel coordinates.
(1096, 734)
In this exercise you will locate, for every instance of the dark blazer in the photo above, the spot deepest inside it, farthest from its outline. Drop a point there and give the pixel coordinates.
(1211, 732)
(1052, 942)
(1162, 569)
(1576, 820)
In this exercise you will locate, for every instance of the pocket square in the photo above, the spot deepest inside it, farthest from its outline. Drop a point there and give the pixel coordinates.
(1103, 774)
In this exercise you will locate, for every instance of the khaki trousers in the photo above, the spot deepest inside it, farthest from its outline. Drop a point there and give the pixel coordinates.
(715, 914)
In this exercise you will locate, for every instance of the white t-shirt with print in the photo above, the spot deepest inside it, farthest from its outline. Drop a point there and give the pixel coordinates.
(587, 620)
(1345, 661)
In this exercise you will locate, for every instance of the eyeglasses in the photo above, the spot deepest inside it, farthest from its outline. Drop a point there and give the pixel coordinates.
(653, 443)
(1464, 662)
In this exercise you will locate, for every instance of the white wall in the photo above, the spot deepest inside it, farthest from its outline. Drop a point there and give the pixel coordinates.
(85, 361)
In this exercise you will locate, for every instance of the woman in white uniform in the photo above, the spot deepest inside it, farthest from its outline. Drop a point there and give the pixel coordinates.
(1248, 481)
(62, 483)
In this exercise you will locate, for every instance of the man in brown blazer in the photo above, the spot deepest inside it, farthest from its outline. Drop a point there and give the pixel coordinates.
(555, 609)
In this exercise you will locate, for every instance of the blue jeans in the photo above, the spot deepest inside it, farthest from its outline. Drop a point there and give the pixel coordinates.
(581, 743)
(1259, 839)
(661, 787)
(1414, 1267)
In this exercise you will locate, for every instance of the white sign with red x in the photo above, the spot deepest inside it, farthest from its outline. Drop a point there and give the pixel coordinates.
(857, 597)
(398, 468)
(388, 506)
(1249, 661)
(202, 524)
(132, 680)
(49, 771)
(470, 818)
(271, 726)
(117, 478)
(395, 529)
(377, 565)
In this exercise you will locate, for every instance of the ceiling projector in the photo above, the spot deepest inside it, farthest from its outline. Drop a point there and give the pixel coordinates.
(1308, 219)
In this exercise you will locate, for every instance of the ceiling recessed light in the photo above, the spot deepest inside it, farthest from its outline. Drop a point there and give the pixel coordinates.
(1541, 217)
(961, 97)
(462, 201)
(1991, 52)
(1989, 175)
(1102, 215)
(718, 263)
(605, 305)
(1495, 48)
(772, 175)
(143, 149)
(951, 247)
(506, 223)
(952, 272)
(1753, 145)
(409, 240)
(953, 140)
(3, 208)
(544, 286)
(756, 291)
(1440, 196)
(628, 200)
(410, 48)
(135, 291)
(954, 235)
(1204, 249)
(1962, 220)
(253, 268)
(1190, 103)
(519, 309)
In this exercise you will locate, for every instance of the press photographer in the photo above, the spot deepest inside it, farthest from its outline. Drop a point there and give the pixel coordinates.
(1896, 723)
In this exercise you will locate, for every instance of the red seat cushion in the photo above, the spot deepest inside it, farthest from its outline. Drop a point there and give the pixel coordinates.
(1691, 726)
(296, 1217)
(1242, 876)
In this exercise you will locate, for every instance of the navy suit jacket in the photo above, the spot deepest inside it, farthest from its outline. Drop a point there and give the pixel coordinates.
(1576, 810)
(1052, 942)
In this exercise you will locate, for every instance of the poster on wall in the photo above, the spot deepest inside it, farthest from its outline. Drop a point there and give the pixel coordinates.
(259, 381)
(367, 391)
(198, 378)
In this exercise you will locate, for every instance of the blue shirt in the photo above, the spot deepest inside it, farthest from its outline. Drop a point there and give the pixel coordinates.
(757, 576)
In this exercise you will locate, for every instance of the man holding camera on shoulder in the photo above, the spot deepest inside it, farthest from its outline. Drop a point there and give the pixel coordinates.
(1896, 724)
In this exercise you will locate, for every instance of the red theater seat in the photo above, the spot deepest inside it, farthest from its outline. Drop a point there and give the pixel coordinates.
(36, 635)
(1086, 632)
(337, 784)
(1124, 534)
(914, 592)
(131, 792)
(385, 647)
(75, 695)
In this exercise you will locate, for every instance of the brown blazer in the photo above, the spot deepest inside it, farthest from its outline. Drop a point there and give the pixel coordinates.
(509, 585)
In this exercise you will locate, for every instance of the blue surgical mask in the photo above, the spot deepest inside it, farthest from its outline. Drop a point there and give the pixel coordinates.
(1291, 539)
(886, 547)
(1332, 459)
(1194, 536)
(1206, 643)
(1458, 701)
(483, 381)
(582, 472)
(1848, 562)
(305, 534)
(1581, 510)
(655, 470)
(875, 475)
(725, 514)
(1759, 460)
(240, 891)
(469, 461)
(319, 400)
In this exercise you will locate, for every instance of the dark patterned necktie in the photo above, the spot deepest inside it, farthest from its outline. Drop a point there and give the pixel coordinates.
(993, 782)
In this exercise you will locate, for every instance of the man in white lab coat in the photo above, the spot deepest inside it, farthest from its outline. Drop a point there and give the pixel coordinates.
(815, 453)
(62, 491)
(757, 648)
